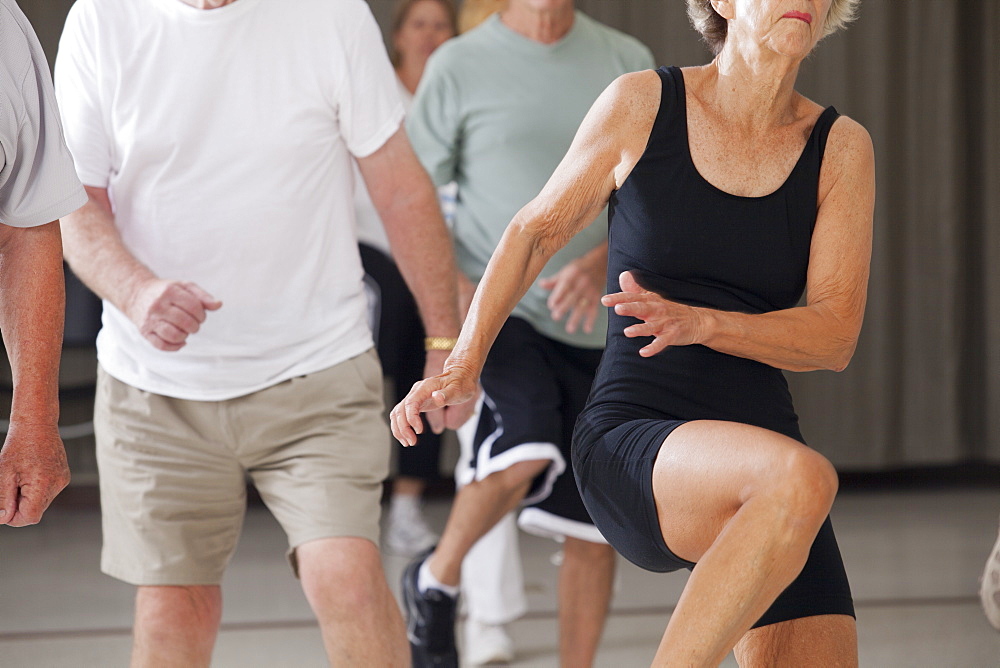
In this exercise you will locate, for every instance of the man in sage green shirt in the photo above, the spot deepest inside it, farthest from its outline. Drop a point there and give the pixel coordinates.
(495, 112)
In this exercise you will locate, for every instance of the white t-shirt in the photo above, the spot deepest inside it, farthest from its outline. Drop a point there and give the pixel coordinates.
(37, 181)
(225, 138)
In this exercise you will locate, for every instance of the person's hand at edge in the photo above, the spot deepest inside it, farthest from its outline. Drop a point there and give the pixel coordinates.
(33, 470)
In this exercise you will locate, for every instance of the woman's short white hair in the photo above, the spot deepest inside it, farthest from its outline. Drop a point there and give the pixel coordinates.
(713, 27)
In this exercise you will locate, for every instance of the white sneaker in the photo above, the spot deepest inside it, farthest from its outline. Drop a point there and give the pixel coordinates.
(989, 587)
(407, 533)
(487, 644)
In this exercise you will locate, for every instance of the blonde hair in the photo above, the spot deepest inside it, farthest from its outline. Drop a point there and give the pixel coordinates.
(474, 12)
(713, 28)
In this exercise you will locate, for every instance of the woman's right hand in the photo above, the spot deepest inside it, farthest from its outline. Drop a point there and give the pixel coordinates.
(669, 323)
(455, 386)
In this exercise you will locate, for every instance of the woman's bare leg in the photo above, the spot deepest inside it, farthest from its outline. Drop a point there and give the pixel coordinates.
(746, 504)
(830, 641)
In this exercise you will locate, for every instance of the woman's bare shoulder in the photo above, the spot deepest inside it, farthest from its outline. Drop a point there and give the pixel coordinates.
(628, 108)
(847, 132)
(849, 159)
(849, 145)
(635, 92)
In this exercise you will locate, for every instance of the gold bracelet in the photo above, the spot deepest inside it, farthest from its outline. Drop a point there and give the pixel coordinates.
(440, 343)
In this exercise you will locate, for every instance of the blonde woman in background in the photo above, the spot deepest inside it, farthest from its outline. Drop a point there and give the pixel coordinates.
(474, 12)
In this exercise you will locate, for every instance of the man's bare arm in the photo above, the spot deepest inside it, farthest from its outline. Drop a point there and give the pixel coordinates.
(33, 467)
(421, 245)
(165, 311)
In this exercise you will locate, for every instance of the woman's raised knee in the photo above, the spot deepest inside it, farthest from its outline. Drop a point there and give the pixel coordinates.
(810, 481)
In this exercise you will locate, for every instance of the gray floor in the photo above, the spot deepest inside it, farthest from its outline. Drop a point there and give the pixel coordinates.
(914, 559)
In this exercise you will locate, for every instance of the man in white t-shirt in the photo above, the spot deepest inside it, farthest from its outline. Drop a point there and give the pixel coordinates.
(37, 185)
(215, 139)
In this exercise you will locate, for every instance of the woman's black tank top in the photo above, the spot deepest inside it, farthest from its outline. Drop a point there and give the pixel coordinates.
(693, 243)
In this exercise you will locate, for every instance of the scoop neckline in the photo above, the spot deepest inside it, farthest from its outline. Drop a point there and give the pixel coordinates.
(694, 168)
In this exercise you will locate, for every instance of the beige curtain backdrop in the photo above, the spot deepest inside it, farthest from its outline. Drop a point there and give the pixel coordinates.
(924, 77)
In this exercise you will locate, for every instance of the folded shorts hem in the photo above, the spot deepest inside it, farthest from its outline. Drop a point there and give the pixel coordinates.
(549, 525)
(161, 579)
(488, 464)
(293, 545)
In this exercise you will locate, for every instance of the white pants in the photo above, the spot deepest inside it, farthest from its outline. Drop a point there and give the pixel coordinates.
(492, 579)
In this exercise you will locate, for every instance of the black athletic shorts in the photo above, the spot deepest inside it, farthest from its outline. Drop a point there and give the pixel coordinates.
(535, 387)
(613, 456)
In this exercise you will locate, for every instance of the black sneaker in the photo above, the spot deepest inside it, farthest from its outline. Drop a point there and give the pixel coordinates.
(430, 621)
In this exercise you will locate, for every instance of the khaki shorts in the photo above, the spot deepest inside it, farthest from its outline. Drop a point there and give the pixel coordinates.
(173, 472)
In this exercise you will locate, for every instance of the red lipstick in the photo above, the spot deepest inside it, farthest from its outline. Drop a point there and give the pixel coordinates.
(803, 16)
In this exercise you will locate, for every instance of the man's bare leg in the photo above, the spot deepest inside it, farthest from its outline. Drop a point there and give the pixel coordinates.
(175, 626)
(477, 508)
(360, 620)
(585, 581)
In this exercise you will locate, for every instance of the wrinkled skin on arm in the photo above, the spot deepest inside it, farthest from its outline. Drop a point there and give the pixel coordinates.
(33, 468)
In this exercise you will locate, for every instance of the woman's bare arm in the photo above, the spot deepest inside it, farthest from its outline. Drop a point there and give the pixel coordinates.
(606, 147)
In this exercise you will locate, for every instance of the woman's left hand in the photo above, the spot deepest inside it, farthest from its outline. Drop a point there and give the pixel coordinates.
(669, 323)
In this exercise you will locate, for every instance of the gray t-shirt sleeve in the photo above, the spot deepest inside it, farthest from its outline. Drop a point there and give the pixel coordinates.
(434, 123)
(38, 181)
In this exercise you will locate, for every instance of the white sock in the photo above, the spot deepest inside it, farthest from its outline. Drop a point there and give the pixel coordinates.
(406, 504)
(426, 580)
